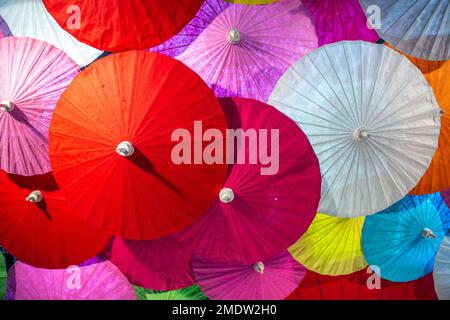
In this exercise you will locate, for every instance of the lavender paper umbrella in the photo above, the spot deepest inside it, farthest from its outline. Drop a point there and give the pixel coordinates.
(4, 29)
(242, 50)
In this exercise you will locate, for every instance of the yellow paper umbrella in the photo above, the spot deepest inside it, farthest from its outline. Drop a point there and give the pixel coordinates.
(251, 1)
(331, 246)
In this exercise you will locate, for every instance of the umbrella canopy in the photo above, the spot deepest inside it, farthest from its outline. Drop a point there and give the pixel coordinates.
(262, 209)
(403, 239)
(251, 1)
(122, 25)
(112, 145)
(242, 50)
(441, 271)
(38, 226)
(98, 281)
(29, 18)
(331, 246)
(33, 75)
(273, 279)
(3, 275)
(371, 118)
(419, 28)
(188, 293)
(338, 20)
(362, 285)
(4, 29)
(160, 264)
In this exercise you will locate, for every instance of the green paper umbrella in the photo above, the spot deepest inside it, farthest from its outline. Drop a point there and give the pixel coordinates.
(188, 293)
(3, 275)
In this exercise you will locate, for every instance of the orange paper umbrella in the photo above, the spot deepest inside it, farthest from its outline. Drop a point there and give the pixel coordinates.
(437, 177)
(111, 143)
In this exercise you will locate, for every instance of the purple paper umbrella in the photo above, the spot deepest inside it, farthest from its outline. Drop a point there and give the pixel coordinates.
(33, 75)
(161, 264)
(96, 281)
(4, 29)
(242, 50)
(273, 279)
(338, 20)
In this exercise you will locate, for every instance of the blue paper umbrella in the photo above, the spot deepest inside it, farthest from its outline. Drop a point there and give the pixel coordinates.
(441, 273)
(402, 240)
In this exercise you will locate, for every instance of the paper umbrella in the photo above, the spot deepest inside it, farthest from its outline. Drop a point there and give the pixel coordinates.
(403, 239)
(273, 279)
(29, 18)
(264, 206)
(418, 28)
(112, 140)
(371, 118)
(331, 246)
(242, 50)
(441, 271)
(33, 75)
(117, 25)
(3, 276)
(188, 293)
(4, 29)
(98, 281)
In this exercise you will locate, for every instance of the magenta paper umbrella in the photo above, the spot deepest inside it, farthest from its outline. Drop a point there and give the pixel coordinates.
(242, 50)
(338, 20)
(163, 264)
(271, 193)
(33, 75)
(272, 279)
(95, 281)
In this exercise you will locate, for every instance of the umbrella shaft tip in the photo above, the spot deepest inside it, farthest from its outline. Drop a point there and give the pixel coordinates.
(7, 106)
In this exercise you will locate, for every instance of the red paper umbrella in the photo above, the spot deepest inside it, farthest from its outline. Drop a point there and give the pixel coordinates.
(161, 264)
(362, 285)
(38, 227)
(111, 145)
(263, 208)
(118, 25)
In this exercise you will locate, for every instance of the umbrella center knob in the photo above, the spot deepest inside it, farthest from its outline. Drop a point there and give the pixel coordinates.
(226, 195)
(360, 134)
(125, 149)
(428, 233)
(234, 36)
(7, 106)
(259, 267)
(35, 197)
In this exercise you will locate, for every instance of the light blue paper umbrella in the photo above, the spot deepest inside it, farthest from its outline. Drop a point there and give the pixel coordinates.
(441, 273)
(420, 28)
(403, 239)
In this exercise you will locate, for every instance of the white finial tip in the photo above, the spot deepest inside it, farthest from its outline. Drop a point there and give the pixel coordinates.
(259, 267)
(226, 195)
(428, 233)
(360, 134)
(234, 36)
(125, 149)
(35, 197)
(7, 106)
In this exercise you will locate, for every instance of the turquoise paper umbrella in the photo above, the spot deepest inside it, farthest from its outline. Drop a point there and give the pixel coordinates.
(441, 271)
(403, 239)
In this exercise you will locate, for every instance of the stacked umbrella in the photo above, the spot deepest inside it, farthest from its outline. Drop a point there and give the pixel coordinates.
(224, 149)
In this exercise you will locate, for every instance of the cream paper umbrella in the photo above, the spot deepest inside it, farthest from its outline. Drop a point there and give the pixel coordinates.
(29, 18)
(331, 246)
(419, 28)
(371, 118)
(441, 272)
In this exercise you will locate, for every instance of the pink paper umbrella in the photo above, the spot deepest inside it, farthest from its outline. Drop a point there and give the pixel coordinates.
(338, 20)
(96, 281)
(163, 264)
(33, 75)
(273, 279)
(242, 50)
(266, 203)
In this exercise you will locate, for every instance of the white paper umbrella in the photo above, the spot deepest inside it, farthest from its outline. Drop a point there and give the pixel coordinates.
(29, 18)
(371, 118)
(420, 28)
(441, 273)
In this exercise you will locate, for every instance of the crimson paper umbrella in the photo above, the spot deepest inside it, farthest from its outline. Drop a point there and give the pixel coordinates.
(266, 203)
(123, 25)
(272, 279)
(362, 285)
(111, 145)
(33, 75)
(38, 226)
